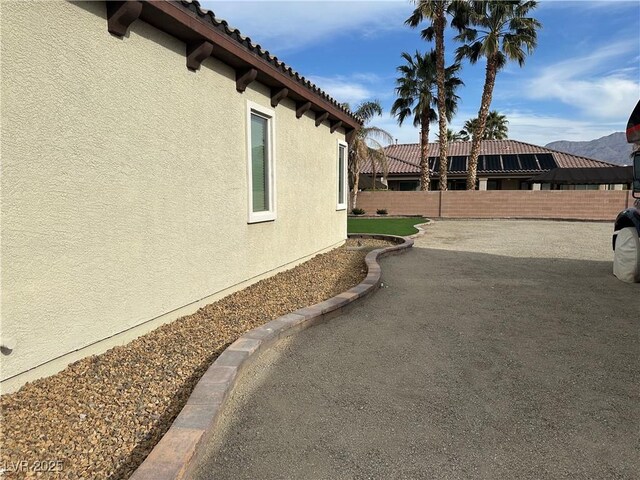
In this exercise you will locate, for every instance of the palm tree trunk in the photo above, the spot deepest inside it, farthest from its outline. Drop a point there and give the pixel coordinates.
(354, 193)
(354, 173)
(485, 104)
(439, 25)
(374, 172)
(424, 154)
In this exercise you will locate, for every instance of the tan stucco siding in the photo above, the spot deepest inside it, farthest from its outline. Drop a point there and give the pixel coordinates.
(124, 181)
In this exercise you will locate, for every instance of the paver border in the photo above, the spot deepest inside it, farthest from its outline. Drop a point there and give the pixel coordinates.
(421, 227)
(174, 455)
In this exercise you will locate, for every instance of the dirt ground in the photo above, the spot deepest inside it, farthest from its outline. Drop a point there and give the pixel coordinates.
(522, 238)
(495, 349)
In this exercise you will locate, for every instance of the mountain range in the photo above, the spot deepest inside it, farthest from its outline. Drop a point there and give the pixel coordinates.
(611, 148)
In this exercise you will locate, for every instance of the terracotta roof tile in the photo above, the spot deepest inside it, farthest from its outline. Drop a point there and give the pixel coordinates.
(405, 158)
(396, 165)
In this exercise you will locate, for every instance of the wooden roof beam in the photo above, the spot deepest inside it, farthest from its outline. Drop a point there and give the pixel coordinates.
(120, 16)
(302, 108)
(197, 53)
(244, 78)
(321, 117)
(335, 125)
(277, 95)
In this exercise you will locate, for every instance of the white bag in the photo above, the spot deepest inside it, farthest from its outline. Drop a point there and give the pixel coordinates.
(626, 259)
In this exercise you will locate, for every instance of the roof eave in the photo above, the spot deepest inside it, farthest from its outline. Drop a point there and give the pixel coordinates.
(190, 24)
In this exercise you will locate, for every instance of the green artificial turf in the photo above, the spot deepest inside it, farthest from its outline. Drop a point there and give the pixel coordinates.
(390, 226)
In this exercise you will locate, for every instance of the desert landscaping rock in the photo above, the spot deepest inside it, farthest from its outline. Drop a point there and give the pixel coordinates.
(102, 415)
(367, 243)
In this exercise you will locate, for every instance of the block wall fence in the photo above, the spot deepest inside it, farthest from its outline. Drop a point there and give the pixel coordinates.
(539, 204)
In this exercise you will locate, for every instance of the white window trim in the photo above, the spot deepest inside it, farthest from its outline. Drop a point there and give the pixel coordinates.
(269, 114)
(342, 206)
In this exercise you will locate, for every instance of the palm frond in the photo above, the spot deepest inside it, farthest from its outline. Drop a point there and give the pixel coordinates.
(368, 110)
(372, 134)
(428, 33)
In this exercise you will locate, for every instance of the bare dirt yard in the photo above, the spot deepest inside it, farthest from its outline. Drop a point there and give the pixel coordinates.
(495, 349)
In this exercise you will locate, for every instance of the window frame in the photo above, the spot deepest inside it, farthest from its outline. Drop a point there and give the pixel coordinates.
(269, 115)
(345, 181)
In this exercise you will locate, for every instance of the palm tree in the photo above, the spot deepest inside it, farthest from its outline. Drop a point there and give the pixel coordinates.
(498, 30)
(416, 97)
(365, 146)
(467, 130)
(435, 12)
(452, 136)
(496, 127)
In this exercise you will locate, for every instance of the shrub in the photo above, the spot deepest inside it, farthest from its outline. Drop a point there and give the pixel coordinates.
(358, 211)
(382, 211)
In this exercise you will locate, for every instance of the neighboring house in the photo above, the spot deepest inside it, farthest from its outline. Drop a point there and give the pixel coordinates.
(366, 183)
(502, 165)
(564, 178)
(151, 163)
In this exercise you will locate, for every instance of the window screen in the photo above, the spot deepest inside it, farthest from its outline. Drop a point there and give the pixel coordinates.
(341, 175)
(259, 163)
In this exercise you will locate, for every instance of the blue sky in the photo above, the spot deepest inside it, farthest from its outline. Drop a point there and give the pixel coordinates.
(581, 83)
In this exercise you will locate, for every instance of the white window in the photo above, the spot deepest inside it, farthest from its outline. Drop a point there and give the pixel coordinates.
(342, 175)
(261, 163)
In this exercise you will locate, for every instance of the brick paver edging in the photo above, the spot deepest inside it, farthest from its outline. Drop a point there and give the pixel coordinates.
(173, 457)
(421, 227)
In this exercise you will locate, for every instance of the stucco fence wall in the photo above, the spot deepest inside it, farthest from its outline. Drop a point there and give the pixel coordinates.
(125, 187)
(558, 204)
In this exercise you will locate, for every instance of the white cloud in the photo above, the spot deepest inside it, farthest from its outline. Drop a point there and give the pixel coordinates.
(587, 4)
(526, 127)
(584, 83)
(405, 134)
(542, 129)
(343, 89)
(608, 97)
(285, 26)
(353, 88)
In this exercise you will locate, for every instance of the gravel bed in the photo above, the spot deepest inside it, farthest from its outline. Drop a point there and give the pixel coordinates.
(369, 243)
(102, 415)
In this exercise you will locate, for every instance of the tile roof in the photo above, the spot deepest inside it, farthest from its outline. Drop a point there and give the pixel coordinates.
(405, 158)
(256, 49)
(396, 165)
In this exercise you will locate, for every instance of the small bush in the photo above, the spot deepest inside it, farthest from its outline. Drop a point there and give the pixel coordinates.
(358, 211)
(382, 211)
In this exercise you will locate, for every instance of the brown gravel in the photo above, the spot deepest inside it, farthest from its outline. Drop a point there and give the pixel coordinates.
(102, 415)
(369, 243)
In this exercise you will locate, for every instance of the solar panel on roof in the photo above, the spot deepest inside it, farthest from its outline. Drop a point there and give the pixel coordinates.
(458, 164)
(528, 162)
(492, 162)
(434, 163)
(546, 161)
(510, 162)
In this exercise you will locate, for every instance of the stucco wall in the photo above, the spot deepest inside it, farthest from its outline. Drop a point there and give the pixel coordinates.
(124, 181)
